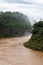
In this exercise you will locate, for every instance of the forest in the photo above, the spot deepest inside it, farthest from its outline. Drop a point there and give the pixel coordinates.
(14, 24)
(36, 41)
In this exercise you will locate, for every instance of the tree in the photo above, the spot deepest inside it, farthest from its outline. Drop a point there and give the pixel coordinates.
(13, 24)
(36, 41)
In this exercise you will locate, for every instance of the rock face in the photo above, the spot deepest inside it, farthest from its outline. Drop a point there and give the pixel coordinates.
(36, 41)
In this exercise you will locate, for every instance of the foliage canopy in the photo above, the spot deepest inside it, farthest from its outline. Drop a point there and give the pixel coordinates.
(36, 41)
(13, 24)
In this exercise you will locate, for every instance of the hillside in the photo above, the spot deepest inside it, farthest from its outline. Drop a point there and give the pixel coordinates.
(36, 41)
(13, 24)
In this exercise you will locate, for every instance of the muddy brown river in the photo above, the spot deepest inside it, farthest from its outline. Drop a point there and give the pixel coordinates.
(12, 52)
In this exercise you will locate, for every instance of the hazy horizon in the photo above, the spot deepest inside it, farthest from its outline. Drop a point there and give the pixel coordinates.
(32, 8)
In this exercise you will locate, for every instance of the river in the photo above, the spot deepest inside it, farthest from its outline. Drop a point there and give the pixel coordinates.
(12, 52)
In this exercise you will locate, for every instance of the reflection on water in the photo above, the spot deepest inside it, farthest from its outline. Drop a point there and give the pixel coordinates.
(12, 52)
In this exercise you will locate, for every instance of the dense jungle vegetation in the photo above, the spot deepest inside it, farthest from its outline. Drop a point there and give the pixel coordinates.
(13, 24)
(36, 41)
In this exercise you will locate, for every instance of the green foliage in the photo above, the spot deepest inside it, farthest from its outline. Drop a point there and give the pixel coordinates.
(13, 24)
(38, 28)
(36, 41)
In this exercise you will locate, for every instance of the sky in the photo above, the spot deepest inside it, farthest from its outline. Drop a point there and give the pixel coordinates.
(32, 8)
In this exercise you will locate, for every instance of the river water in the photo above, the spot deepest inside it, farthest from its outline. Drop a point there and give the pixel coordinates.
(12, 52)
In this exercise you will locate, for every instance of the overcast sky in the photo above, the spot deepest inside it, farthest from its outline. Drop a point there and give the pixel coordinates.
(32, 8)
